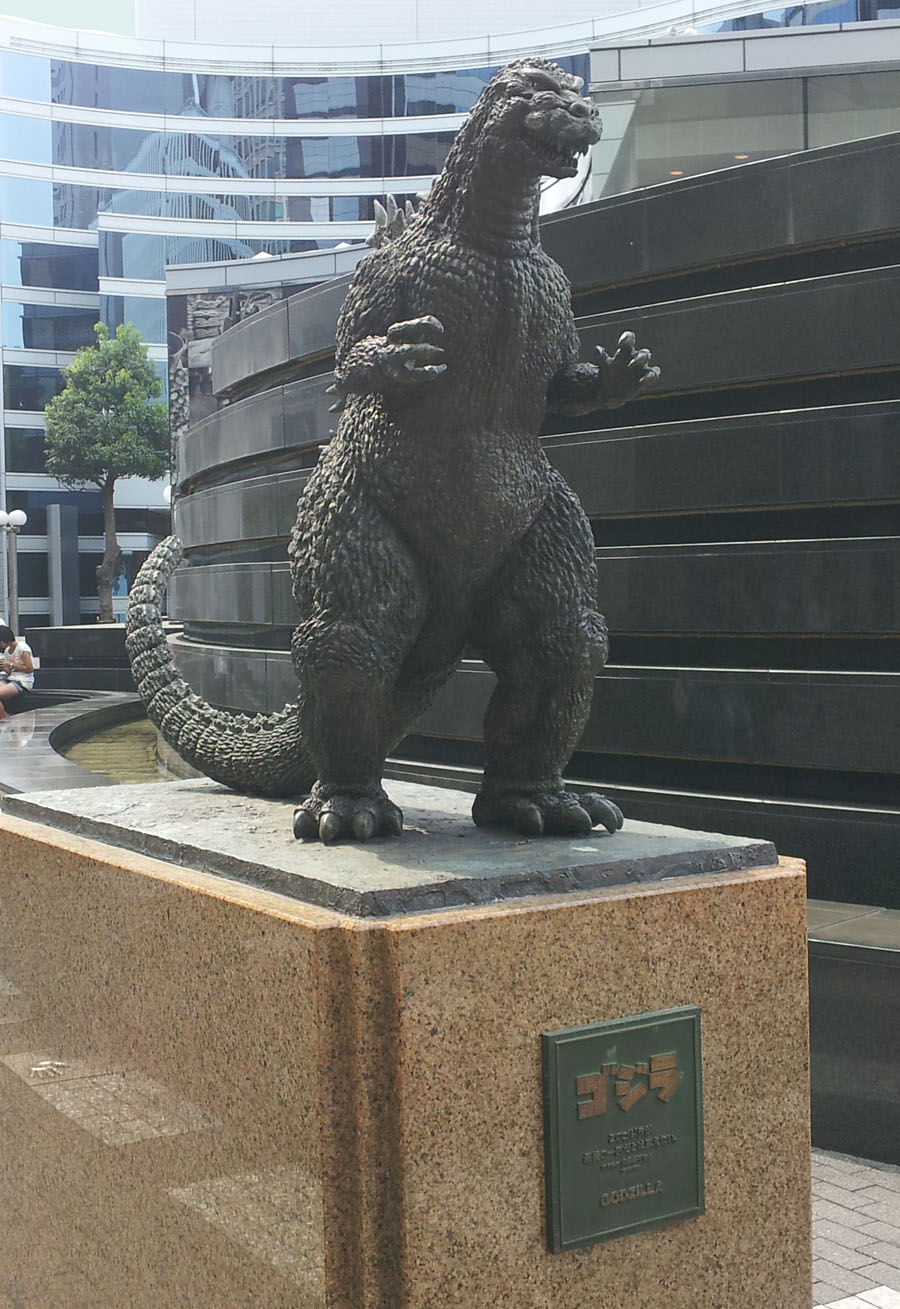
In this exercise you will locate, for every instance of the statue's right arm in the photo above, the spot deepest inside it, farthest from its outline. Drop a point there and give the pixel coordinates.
(377, 349)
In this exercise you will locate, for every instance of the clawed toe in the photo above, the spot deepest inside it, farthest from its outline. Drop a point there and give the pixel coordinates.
(306, 823)
(558, 813)
(359, 818)
(603, 810)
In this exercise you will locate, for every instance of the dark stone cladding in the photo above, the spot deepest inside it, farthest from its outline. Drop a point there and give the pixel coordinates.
(91, 656)
(784, 588)
(854, 994)
(288, 419)
(818, 327)
(299, 328)
(747, 514)
(798, 202)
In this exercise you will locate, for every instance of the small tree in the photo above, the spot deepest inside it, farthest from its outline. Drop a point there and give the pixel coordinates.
(106, 424)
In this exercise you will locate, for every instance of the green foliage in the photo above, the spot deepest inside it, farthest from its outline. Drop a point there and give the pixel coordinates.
(107, 423)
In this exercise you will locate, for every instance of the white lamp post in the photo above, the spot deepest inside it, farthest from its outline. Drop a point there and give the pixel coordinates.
(10, 523)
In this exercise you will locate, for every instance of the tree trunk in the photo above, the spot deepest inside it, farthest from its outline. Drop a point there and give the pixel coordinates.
(106, 572)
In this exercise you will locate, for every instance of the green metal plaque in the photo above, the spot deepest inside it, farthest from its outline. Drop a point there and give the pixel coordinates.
(623, 1126)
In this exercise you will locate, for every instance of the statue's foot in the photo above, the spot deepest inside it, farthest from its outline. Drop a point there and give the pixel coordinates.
(539, 813)
(328, 815)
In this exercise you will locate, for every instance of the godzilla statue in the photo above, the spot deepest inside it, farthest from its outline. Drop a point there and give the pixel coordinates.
(433, 520)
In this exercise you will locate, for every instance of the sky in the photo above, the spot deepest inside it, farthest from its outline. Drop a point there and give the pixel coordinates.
(99, 15)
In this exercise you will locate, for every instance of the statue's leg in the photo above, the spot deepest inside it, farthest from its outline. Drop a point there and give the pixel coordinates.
(363, 600)
(537, 626)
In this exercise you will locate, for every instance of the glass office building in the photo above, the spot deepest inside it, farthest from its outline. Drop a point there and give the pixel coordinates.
(747, 89)
(120, 157)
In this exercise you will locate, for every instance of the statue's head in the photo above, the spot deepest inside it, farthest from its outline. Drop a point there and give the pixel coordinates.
(534, 111)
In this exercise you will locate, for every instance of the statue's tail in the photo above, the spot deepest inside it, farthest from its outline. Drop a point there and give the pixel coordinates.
(259, 754)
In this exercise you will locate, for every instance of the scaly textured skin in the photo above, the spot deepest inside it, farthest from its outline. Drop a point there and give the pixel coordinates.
(256, 754)
(433, 520)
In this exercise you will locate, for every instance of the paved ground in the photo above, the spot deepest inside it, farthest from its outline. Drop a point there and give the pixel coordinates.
(856, 1233)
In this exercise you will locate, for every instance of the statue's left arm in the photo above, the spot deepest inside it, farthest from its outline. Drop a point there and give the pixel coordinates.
(579, 388)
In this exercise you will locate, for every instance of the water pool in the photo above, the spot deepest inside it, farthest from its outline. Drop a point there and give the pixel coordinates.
(129, 752)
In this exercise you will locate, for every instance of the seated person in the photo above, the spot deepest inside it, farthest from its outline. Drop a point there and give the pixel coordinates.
(16, 667)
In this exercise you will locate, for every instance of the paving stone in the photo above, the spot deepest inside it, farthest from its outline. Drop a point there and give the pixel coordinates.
(848, 1283)
(875, 1231)
(888, 1176)
(856, 1232)
(851, 1238)
(880, 1192)
(880, 1210)
(851, 1302)
(849, 1179)
(824, 1294)
(886, 1253)
(844, 1195)
(880, 1274)
(840, 1255)
(836, 1158)
(883, 1297)
(838, 1213)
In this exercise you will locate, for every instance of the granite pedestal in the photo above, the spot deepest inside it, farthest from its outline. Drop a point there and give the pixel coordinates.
(316, 1080)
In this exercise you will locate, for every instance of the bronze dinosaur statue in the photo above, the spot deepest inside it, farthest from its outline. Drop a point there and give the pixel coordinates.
(433, 520)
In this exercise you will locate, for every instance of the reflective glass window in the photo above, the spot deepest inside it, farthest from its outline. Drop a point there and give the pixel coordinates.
(414, 154)
(61, 267)
(338, 208)
(236, 96)
(129, 564)
(851, 106)
(87, 567)
(142, 255)
(75, 205)
(832, 11)
(793, 17)
(810, 15)
(25, 450)
(148, 315)
(154, 521)
(25, 200)
(438, 93)
(24, 77)
(680, 131)
(90, 522)
(347, 209)
(28, 139)
(35, 505)
(46, 327)
(196, 154)
(26, 386)
(34, 579)
(132, 254)
(125, 149)
(140, 90)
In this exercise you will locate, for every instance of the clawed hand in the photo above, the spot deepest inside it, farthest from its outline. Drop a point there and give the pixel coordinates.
(413, 353)
(628, 370)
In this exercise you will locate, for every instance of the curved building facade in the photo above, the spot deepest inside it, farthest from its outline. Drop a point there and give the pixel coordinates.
(120, 158)
(745, 514)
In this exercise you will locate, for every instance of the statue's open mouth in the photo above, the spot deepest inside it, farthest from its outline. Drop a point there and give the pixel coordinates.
(554, 156)
(558, 158)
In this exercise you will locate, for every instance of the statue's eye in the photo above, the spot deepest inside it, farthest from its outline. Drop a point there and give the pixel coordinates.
(543, 82)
